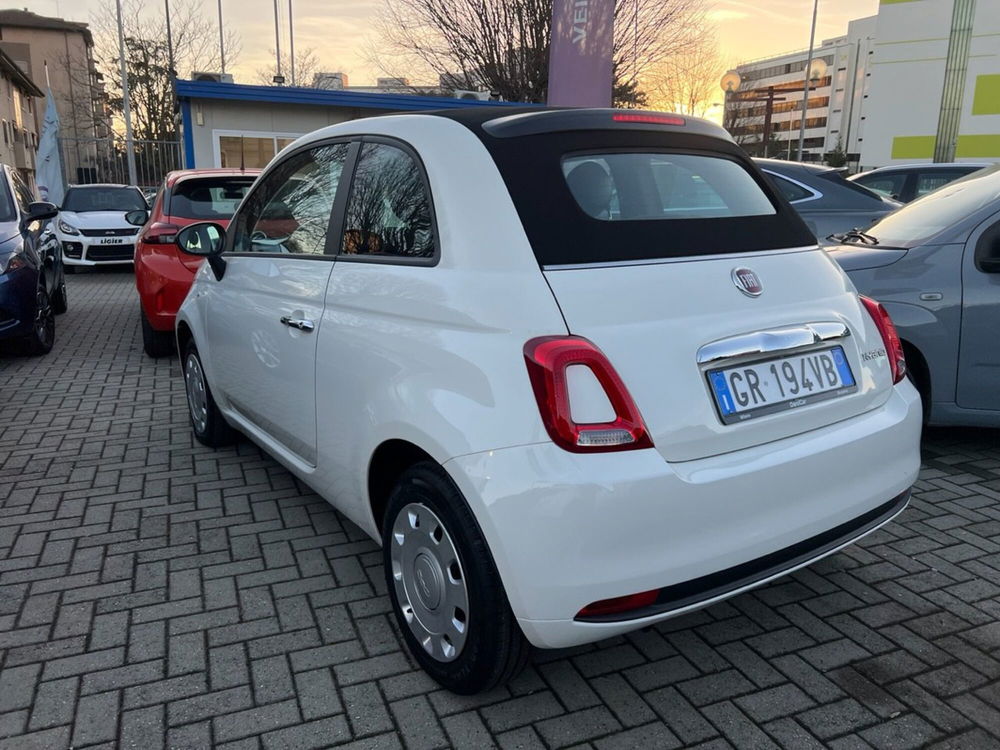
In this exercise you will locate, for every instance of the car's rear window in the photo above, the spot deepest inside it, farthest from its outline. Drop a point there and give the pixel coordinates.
(208, 198)
(651, 186)
(631, 195)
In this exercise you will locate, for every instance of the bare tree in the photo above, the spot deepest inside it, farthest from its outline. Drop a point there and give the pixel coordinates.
(688, 83)
(195, 47)
(503, 45)
(306, 63)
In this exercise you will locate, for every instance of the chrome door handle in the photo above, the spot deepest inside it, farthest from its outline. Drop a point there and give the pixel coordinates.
(301, 323)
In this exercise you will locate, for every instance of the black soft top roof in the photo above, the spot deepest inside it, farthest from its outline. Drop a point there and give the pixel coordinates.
(528, 145)
(510, 122)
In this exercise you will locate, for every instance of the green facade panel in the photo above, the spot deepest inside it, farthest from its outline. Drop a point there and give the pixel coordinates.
(986, 100)
(978, 147)
(913, 146)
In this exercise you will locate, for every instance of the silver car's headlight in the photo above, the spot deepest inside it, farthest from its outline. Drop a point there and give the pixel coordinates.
(67, 228)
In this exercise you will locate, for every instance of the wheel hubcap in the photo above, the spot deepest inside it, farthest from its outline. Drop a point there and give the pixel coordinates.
(197, 393)
(430, 582)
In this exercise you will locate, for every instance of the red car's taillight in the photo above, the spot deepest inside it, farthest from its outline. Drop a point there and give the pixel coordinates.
(890, 338)
(548, 359)
(161, 233)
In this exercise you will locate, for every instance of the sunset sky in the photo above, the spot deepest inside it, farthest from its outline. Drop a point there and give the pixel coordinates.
(337, 29)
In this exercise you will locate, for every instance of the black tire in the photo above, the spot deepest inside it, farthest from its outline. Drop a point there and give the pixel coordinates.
(210, 428)
(495, 649)
(60, 302)
(154, 343)
(43, 329)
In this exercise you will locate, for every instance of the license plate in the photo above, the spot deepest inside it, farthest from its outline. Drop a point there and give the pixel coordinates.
(774, 385)
(112, 241)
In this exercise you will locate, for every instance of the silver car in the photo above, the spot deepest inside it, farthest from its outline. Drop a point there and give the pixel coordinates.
(935, 265)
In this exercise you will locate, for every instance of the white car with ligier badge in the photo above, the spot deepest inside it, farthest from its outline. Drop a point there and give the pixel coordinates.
(91, 226)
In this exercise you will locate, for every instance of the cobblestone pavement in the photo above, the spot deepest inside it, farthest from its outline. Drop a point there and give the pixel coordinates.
(156, 593)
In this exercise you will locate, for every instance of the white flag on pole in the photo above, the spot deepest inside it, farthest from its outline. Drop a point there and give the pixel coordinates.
(48, 168)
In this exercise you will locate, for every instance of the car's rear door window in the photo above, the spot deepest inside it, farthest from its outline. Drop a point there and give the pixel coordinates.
(888, 184)
(651, 186)
(208, 198)
(389, 209)
(928, 182)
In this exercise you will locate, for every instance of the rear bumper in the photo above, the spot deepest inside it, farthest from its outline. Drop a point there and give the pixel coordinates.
(163, 282)
(567, 530)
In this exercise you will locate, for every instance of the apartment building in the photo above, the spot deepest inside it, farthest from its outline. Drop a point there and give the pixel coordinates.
(20, 118)
(66, 49)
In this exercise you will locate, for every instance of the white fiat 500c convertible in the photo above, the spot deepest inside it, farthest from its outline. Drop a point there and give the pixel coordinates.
(577, 371)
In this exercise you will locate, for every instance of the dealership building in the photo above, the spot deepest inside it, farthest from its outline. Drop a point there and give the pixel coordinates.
(919, 81)
(232, 125)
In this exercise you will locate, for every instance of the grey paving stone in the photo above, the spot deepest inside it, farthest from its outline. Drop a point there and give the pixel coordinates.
(155, 593)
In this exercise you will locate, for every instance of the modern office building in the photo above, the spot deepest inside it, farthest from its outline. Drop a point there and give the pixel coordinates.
(936, 83)
(836, 104)
(919, 81)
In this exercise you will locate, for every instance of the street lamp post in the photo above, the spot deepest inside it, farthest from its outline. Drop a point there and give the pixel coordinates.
(806, 78)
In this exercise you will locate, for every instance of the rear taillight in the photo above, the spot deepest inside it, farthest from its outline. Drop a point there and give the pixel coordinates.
(607, 421)
(619, 604)
(161, 233)
(890, 338)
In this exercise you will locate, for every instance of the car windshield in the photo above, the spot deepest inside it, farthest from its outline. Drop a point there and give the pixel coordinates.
(84, 199)
(935, 212)
(208, 197)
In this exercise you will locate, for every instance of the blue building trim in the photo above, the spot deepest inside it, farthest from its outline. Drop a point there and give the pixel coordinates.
(188, 133)
(187, 90)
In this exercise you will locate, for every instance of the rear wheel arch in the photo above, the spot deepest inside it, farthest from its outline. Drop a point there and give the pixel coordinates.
(388, 462)
(919, 372)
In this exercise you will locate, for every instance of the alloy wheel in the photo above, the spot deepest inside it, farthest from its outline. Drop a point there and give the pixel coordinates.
(429, 582)
(45, 321)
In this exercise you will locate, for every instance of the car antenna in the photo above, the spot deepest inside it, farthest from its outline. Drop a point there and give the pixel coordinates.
(242, 167)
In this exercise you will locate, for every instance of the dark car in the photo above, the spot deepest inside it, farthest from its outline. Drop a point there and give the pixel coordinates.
(827, 202)
(907, 182)
(32, 284)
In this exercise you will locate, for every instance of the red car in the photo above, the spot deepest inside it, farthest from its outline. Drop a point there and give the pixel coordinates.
(163, 274)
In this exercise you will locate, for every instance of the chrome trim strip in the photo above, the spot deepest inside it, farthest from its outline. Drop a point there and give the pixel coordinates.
(684, 259)
(772, 341)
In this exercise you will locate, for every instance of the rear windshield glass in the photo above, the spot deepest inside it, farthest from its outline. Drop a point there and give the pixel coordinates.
(838, 179)
(642, 186)
(631, 195)
(84, 199)
(208, 198)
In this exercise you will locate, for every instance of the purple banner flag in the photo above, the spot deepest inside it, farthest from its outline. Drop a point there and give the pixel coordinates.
(581, 67)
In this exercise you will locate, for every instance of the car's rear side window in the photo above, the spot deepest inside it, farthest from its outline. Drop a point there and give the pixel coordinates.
(208, 198)
(656, 187)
